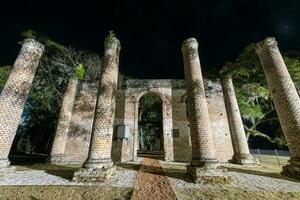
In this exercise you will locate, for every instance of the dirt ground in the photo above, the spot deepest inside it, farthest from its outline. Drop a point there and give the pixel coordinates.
(152, 183)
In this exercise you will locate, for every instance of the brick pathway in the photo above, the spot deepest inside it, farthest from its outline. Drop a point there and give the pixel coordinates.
(152, 183)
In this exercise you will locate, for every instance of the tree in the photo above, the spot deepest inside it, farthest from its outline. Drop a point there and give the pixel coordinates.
(57, 65)
(4, 74)
(150, 122)
(254, 98)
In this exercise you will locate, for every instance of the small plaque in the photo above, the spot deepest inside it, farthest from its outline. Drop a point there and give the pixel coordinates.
(123, 131)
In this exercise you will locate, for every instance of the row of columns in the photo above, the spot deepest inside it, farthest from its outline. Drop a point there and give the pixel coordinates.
(99, 165)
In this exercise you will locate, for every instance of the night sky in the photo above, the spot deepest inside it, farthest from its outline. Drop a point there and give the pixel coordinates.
(151, 31)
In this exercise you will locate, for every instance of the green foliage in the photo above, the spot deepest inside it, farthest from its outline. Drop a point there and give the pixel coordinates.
(29, 34)
(150, 122)
(4, 74)
(57, 64)
(293, 65)
(150, 108)
(253, 95)
(80, 71)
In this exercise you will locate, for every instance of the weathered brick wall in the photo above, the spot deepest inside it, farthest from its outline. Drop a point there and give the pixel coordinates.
(126, 114)
(14, 94)
(80, 130)
(135, 89)
(121, 148)
(61, 135)
(218, 118)
(181, 139)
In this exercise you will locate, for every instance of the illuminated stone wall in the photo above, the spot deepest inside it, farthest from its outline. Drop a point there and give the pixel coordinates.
(61, 135)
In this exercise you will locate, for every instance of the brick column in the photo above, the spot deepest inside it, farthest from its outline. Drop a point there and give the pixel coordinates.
(99, 165)
(285, 98)
(204, 162)
(241, 149)
(14, 94)
(60, 140)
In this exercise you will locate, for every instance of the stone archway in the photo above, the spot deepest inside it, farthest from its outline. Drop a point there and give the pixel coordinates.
(166, 122)
(150, 124)
(165, 93)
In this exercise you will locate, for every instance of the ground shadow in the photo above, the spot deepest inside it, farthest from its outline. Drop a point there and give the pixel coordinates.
(65, 174)
(63, 171)
(262, 173)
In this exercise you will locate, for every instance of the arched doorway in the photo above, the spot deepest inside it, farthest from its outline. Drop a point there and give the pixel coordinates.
(150, 125)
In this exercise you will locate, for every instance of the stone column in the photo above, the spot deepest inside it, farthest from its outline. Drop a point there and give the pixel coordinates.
(14, 94)
(285, 98)
(241, 149)
(99, 165)
(60, 140)
(204, 162)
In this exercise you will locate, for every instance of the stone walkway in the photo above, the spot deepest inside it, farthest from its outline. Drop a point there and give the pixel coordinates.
(152, 183)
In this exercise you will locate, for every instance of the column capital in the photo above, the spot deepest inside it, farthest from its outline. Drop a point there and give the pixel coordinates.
(225, 75)
(268, 44)
(112, 42)
(33, 45)
(190, 43)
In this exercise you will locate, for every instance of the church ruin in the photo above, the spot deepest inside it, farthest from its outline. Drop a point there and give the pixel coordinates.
(201, 122)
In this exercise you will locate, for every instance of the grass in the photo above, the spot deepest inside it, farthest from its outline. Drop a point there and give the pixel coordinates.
(64, 192)
(233, 194)
(269, 168)
(272, 159)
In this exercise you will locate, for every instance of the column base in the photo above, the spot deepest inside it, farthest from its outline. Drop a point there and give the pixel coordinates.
(5, 168)
(95, 171)
(292, 169)
(245, 159)
(208, 173)
(4, 162)
(57, 159)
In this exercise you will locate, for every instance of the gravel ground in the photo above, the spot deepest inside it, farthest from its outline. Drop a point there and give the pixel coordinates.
(251, 179)
(122, 178)
(244, 178)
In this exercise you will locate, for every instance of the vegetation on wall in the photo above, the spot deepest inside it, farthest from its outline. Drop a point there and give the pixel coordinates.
(4, 74)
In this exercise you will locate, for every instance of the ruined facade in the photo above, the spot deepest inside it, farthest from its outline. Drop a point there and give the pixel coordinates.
(176, 134)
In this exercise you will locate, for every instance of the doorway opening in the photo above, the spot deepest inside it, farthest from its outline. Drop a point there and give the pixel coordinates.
(150, 125)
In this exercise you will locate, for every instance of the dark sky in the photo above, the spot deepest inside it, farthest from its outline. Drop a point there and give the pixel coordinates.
(151, 31)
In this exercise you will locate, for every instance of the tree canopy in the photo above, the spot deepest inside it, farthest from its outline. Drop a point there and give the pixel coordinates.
(57, 64)
(253, 95)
